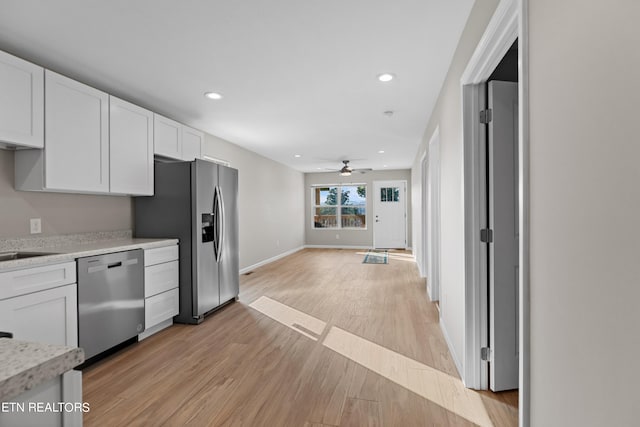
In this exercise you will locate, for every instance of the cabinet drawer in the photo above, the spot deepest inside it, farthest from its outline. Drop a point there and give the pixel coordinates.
(160, 255)
(160, 278)
(160, 307)
(28, 280)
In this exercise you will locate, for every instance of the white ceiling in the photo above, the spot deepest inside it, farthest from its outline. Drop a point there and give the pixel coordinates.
(298, 76)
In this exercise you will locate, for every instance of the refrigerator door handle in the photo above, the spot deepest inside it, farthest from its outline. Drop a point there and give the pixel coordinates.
(220, 220)
(214, 226)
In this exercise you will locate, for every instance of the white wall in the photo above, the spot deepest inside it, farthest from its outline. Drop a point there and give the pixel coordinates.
(60, 213)
(357, 238)
(271, 205)
(585, 210)
(448, 116)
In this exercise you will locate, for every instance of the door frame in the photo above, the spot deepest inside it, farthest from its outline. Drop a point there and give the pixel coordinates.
(509, 22)
(406, 219)
(433, 214)
(424, 234)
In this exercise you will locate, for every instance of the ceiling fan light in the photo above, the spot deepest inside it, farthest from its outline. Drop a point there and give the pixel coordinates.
(345, 173)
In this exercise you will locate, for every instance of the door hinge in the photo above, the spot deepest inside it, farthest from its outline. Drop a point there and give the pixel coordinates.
(486, 235)
(486, 355)
(486, 116)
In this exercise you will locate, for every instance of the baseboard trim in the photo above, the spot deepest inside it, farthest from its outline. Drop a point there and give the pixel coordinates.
(270, 260)
(155, 329)
(451, 348)
(336, 247)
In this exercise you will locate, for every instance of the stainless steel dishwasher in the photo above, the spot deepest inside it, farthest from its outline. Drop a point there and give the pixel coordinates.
(110, 300)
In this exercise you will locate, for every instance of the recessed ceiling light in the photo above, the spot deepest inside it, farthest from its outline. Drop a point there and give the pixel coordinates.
(213, 95)
(381, 152)
(297, 156)
(384, 166)
(385, 77)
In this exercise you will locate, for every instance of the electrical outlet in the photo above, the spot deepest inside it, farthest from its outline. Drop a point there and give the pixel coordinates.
(35, 225)
(337, 236)
(277, 243)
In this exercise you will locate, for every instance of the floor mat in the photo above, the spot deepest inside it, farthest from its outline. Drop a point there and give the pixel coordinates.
(376, 257)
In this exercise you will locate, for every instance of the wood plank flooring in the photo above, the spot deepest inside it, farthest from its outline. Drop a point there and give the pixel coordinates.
(242, 367)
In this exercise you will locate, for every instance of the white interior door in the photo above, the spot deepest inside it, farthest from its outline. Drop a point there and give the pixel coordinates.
(503, 220)
(390, 213)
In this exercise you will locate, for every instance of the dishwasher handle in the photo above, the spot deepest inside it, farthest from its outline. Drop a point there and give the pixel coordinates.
(102, 267)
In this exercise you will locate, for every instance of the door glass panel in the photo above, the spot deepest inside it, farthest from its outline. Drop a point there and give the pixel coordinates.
(390, 194)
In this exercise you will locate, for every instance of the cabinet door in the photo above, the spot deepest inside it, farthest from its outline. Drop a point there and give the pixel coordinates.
(192, 141)
(130, 148)
(22, 102)
(167, 137)
(47, 316)
(50, 317)
(77, 146)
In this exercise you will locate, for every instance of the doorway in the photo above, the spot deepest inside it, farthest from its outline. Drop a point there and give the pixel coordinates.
(493, 225)
(390, 214)
(508, 24)
(431, 215)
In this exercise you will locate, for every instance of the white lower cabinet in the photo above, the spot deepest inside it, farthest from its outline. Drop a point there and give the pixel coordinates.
(37, 306)
(161, 281)
(161, 307)
(47, 316)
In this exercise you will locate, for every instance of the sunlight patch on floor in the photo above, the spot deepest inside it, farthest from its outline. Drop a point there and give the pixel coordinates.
(438, 387)
(290, 317)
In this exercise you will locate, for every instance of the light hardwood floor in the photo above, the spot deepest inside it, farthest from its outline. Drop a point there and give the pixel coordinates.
(316, 358)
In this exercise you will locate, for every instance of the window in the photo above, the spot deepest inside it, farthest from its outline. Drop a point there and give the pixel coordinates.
(340, 206)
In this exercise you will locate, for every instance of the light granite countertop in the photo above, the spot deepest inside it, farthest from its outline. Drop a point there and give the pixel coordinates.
(68, 248)
(28, 364)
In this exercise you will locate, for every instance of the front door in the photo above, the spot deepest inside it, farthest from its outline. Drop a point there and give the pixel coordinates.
(390, 214)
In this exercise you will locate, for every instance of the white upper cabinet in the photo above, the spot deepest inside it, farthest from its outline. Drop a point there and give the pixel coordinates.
(167, 137)
(192, 141)
(76, 152)
(21, 102)
(176, 141)
(76, 128)
(131, 148)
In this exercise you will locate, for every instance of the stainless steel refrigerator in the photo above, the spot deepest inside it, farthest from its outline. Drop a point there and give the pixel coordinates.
(196, 202)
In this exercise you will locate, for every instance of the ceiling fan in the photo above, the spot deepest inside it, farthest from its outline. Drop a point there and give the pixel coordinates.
(347, 170)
